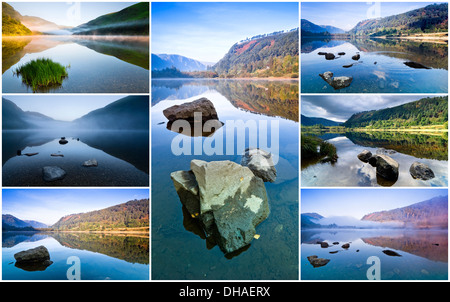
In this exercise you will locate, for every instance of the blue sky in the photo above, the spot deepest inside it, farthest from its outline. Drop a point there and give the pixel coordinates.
(62, 108)
(358, 202)
(49, 205)
(206, 31)
(68, 13)
(346, 15)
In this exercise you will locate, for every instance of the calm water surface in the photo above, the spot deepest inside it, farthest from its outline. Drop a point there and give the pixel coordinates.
(424, 254)
(179, 248)
(96, 64)
(404, 148)
(380, 69)
(102, 257)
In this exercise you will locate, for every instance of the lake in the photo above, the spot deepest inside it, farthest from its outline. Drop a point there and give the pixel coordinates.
(101, 256)
(423, 254)
(405, 148)
(180, 250)
(380, 69)
(122, 157)
(97, 64)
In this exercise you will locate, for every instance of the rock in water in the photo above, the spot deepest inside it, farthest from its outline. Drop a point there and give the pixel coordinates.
(421, 171)
(52, 173)
(365, 156)
(232, 201)
(391, 253)
(37, 259)
(260, 162)
(329, 56)
(186, 111)
(336, 82)
(416, 65)
(316, 261)
(356, 57)
(63, 141)
(90, 163)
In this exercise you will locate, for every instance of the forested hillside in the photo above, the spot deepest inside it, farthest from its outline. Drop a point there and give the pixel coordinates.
(11, 25)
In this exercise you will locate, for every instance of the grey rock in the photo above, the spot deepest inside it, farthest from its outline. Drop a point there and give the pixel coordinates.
(90, 163)
(387, 167)
(316, 261)
(38, 254)
(365, 156)
(52, 173)
(260, 163)
(421, 171)
(187, 189)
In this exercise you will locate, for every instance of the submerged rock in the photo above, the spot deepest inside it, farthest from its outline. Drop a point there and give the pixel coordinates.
(316, 261)
(421, 171)
(52, 173)
(227, 198)
(260, 163)
(336, 82)
(36, 259)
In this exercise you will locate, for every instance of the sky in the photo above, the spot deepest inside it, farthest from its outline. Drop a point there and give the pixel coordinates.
(206, 31)
(68, 13)
(346, 15)
(357, 202)
(340, 108)
(49, 205)
(62, 108)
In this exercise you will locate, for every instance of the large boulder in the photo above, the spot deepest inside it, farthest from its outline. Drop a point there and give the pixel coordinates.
(227, 198)
(365, 156)
(421, 171)
(261, 163)
(336, 82)
(316, 261)
(52, 173)
(36, 259)
(386, 167)
(186, 111)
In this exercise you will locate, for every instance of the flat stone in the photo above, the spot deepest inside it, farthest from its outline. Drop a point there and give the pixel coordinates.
(52, 173)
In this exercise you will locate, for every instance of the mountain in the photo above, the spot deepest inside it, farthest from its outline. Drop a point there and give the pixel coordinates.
(162, 61)
(431, 18)
(268, 55)
(11, 24)
(128, 113)
(426, 111)
(311, 121)
(134, 213)
(308, 26)
(133, 20)
(11, 223)
(431, 213)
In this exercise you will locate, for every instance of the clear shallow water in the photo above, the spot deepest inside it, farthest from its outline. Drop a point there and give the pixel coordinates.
(99, 65)
(350, 171)
(122, 158)
(424, 254)
(380, 69)
(101, 256)
(179, 248)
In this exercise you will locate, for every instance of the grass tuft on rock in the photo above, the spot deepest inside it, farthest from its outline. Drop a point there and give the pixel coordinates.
(41, 73)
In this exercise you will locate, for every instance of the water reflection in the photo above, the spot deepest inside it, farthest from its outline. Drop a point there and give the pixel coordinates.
(381, 67)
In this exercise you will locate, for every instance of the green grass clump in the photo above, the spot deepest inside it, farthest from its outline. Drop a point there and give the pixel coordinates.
(41, 73)
(314, 147)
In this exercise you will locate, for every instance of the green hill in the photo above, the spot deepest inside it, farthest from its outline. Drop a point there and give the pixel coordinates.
(11, 25)
(132, 214)
(133, 20)
(272, 55)
(431, 18)
(426, 111)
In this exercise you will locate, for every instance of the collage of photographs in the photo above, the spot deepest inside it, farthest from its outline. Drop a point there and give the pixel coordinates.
(213, 141)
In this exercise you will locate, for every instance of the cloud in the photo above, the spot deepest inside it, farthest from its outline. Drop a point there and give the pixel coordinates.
(348, 221)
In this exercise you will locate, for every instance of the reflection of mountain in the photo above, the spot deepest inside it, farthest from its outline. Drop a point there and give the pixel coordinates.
(133, 20)
(431, 213)
(417, 145)
(269, 98)
(10, 239)
(177, 89)
(129, 248)
(430, 245)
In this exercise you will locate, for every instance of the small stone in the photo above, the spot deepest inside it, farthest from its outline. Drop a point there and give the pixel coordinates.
(90, 163)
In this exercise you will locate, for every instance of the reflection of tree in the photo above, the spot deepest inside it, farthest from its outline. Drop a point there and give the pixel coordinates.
(431, 245)
(12, 51)
(271, 98)
(130, 249)
(417, 145)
